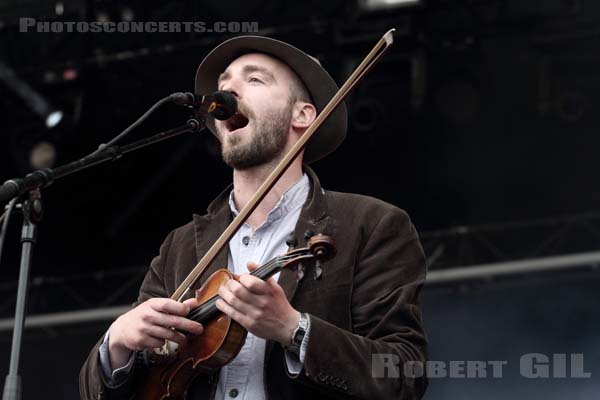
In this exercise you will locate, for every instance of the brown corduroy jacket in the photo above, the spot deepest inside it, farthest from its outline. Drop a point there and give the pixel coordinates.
(364, 305)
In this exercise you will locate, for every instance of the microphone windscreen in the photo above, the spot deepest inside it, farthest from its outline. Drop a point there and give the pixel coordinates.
(227, 105)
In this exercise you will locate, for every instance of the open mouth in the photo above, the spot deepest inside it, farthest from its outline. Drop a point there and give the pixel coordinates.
(237, 121)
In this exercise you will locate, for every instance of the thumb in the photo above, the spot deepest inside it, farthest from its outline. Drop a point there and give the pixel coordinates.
(252, 266)
(191, 303)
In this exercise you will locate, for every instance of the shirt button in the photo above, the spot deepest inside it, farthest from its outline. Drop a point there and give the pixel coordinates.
(233, 393)
(245, 240)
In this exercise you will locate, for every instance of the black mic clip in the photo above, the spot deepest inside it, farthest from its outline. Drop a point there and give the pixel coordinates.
(182, 99)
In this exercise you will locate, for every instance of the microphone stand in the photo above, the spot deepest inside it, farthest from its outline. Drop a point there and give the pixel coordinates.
(32, 214)
(32, 208)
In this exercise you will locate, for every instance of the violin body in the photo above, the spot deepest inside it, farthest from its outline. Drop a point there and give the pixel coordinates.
(171, 374)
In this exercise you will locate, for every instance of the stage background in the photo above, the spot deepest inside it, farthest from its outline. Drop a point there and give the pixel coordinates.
(482, 123)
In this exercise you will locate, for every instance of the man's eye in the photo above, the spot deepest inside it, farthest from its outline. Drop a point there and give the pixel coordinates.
(254, 79)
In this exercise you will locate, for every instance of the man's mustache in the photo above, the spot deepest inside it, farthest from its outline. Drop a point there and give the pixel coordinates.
(245, 110)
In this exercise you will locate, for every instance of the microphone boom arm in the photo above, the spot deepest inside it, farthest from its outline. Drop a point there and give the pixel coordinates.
(44, 177)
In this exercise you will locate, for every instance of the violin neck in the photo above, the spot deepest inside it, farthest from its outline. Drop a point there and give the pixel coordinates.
(268, 269)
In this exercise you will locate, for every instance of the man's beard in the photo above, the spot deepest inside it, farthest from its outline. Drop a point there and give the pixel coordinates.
(266, 144)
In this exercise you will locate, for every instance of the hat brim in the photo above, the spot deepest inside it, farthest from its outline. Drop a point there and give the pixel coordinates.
(318, 82)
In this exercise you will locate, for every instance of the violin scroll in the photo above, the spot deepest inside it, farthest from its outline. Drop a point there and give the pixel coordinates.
(322, 247)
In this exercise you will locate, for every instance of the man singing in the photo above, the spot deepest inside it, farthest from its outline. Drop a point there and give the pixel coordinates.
(307, 338)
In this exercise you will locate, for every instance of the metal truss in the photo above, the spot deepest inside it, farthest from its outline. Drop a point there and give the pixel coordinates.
(455, 256)
(97, 296)
(525, 247)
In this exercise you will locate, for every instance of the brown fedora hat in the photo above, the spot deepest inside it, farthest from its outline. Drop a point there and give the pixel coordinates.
(319, 83)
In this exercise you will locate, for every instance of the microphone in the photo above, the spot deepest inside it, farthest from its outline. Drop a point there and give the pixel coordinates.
(222, 104)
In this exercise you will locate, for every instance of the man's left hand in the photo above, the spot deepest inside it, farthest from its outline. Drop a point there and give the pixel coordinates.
(259, 306)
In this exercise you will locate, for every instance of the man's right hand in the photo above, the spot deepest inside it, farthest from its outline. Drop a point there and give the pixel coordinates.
(147, 326)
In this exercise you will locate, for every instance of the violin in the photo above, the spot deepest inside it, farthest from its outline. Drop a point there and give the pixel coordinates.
(172, 368)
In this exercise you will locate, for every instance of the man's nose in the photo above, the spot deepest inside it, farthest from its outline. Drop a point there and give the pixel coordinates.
(233, 86)
(233, 92)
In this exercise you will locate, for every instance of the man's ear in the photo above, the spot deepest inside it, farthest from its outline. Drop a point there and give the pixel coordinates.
(304, 114)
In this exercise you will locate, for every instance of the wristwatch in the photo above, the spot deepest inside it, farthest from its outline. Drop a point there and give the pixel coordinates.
(298, 334)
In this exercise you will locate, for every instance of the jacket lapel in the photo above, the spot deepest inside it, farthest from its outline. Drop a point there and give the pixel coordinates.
(313, 217)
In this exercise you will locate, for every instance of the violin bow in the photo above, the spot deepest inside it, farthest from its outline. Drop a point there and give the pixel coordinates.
(365, 66)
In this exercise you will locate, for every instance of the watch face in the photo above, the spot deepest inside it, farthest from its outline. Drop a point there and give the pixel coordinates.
(300, 330)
